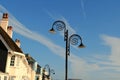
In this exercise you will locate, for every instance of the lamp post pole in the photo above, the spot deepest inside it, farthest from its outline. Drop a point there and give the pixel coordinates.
(66, 55)
(73, 39)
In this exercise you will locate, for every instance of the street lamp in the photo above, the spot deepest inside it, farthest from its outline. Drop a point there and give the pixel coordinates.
(49, 71)
(73, 39)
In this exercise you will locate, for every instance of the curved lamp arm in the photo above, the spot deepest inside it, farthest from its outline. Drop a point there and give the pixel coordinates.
(74, 40)
(49, 70)
(59, 26)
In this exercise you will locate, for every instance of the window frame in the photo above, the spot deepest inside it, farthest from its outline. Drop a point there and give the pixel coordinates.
(12, 61)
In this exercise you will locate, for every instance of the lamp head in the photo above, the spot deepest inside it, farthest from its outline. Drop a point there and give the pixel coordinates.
(52, 30)
(81, 45)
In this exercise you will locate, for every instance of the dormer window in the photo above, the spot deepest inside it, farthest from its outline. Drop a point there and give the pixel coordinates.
(12, 62)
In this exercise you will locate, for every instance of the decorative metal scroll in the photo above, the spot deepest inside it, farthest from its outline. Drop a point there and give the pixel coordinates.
(59, 25)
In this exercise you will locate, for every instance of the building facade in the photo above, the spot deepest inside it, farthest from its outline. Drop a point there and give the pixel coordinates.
(14, 64)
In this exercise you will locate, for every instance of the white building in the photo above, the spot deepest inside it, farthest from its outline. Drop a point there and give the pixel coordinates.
(14, 64)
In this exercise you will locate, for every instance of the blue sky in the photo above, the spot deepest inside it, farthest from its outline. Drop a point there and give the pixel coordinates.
(96, 21)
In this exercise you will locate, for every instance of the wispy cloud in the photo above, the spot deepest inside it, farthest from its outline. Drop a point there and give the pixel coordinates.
(112, 60)
(83, 9)
(114, 44)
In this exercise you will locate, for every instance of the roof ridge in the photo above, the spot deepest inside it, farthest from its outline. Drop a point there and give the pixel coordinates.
(10, 41)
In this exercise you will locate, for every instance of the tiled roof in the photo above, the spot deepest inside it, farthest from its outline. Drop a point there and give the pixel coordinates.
(9, 41)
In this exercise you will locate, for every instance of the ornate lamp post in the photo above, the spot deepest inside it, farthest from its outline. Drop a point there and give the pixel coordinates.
(49, 72)
(73, 39)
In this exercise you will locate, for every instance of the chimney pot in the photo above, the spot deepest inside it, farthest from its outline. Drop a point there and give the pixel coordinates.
(17, 41)
(9, 31)
(5, 15)
(9, 27)
(4, 22)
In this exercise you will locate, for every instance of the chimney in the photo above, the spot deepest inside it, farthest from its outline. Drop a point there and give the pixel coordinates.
(4, 21)
(5, 15)
(17, 42)
(9, 31)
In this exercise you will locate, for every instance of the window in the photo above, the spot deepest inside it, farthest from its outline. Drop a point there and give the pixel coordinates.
(37, 78)
(12, 78)
(12, 62)
(38, 70)
(5, 77)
